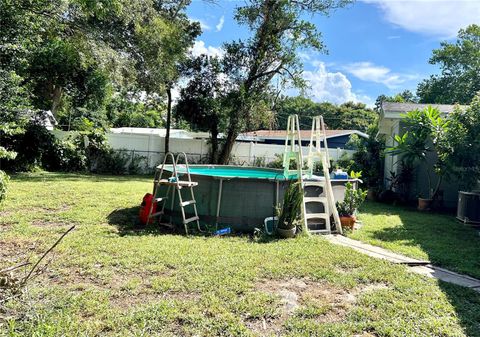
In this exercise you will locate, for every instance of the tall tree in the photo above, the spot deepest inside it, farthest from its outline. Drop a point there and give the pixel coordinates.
(163, 43)
(278, 32)
(74, 54)
(200, 101)
(405, 96)
(459, 80)
(345, 116)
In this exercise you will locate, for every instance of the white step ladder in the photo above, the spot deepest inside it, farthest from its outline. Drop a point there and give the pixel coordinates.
(318, 199)
(293, 152)
(293, 148)
(174, 186)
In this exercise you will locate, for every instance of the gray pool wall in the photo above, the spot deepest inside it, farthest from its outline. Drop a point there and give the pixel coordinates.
(244, 204)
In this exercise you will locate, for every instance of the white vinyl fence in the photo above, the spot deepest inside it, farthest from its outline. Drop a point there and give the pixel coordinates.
(152, 148)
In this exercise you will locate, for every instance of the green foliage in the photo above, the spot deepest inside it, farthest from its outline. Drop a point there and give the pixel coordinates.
(80, 152)
(14, 111)
(427, 132)
(4, 180)
(134, 110)
(278, 30)
(288, 217)
(462, 154)
(347, 116)
(405, 96)
(460, 78)
(277, 162)
(200, 102)
(368, 157)
(73, 54)
(345, 162)
(355, 175)
(354, 198)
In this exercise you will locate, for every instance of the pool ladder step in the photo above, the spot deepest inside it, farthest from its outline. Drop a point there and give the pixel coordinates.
(174, 187)
(315, 192)
(188, 202)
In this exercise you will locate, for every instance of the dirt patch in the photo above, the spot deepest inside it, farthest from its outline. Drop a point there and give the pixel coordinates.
(14, 251)
(298, 294)
(5, 213)
(52, 210)
(48, 224)
(371, 287)
(4, 227)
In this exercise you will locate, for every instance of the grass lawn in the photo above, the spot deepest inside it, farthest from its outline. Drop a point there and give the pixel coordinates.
(438, 238)
(109, 278)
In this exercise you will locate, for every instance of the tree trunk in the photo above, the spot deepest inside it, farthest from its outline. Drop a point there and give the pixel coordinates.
(437, 188)
(224, 156)
(56, 99)
(169, 117)
(214, 144)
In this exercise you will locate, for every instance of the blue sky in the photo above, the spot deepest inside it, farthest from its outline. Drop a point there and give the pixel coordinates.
(374, 46)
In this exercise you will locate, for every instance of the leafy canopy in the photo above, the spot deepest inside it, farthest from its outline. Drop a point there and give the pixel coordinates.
(278, 32)
(459, 80)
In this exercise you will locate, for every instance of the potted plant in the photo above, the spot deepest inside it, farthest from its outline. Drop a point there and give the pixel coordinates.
(350, 204)
(426, 134)
(288, 217)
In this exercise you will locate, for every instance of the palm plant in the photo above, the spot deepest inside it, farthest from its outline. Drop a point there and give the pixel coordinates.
(290, 210)
(426, 134)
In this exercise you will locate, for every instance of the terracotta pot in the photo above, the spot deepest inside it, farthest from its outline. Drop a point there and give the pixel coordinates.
(424, 204)
(287, 233)
(348, 221)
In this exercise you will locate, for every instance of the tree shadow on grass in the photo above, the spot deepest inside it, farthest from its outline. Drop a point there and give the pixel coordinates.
(126, 220)
(447, 242)
(466, 303)
(128, 223)
(83, 177)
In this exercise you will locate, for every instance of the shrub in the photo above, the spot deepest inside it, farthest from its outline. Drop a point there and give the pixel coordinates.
(354, 198)
(4, 180)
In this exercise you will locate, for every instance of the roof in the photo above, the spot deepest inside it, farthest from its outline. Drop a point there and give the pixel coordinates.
(392, 113)
(42, 117)
(174, 133)
(393, 109)
(304, 134)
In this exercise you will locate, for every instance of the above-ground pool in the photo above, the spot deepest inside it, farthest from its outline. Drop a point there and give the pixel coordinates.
(231, 196)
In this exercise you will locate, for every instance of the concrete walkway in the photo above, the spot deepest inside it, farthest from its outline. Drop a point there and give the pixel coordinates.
(416, 266)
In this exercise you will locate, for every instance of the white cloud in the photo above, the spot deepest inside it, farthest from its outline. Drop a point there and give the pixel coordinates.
(441, 18)
(199, 48)
(331, 87)
(203, 24)
(220, 23)
(367, 71)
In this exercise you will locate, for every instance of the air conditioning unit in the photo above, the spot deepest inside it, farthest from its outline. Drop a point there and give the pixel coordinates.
(468, 209)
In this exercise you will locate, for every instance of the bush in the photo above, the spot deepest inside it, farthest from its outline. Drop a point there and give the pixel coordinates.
(4, 180)
(277, 163)
(30, 147)
(80, 152)
(354, 198)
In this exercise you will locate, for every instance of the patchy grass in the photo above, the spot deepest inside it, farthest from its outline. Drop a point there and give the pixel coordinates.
(109, 278)
(438, 238)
